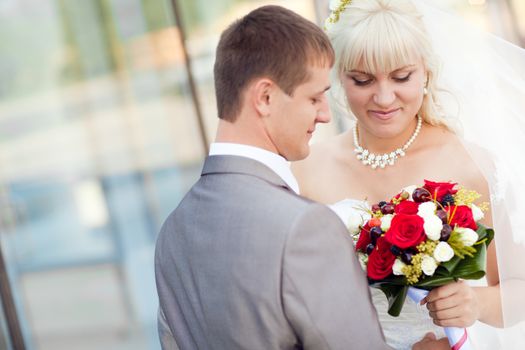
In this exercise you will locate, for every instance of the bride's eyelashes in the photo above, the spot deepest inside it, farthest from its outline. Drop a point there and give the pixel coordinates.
(402, 79)
(359, 82)
(367, 81)
(359, 78)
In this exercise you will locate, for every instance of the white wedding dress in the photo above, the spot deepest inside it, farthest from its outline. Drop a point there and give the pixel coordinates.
(414, 322)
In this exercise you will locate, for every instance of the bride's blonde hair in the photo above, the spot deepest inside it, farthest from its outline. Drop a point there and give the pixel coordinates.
(384, 35)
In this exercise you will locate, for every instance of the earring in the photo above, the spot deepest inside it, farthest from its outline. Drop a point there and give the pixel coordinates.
(425, 89)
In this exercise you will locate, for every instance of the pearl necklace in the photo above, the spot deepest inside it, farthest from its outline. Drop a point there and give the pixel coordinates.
(382, 160)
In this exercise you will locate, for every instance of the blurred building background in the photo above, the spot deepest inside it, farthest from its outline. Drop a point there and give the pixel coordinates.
(106, 111)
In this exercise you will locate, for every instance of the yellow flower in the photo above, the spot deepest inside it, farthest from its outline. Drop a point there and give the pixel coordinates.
(465, 197)
(334, 17)
(413, 271)
(427, 247)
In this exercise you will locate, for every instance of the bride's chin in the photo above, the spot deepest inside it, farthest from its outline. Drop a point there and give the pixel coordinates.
(383, 131)
(392, 130)
(386, 133)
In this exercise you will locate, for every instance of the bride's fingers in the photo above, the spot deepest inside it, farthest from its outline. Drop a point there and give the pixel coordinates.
(443, 304)
(461, 307)
(445, 314)
(443, 291)
(453, 322)
(458, 316)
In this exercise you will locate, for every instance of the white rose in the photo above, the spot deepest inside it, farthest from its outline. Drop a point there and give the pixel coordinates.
(426, 209)
(433, 226)
(410, 190)
(428, 265)
(354, 222)
(386, 220)
(397, 268)
(477, 213)
(467, 235)
(443, 252)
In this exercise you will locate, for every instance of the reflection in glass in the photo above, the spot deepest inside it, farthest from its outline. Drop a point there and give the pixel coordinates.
(98, 144)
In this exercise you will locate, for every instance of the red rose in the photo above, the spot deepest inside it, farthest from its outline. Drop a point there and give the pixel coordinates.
(364, 238)
(440, 189)
(461, 216)
(380, 261)
(406, 231)
(407, 207)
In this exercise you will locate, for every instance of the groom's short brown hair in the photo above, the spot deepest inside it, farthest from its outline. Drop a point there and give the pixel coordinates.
(271, 42)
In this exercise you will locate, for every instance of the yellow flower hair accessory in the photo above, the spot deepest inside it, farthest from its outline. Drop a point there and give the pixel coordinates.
(334, 16)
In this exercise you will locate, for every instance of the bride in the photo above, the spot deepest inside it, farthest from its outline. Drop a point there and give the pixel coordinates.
(387, 76)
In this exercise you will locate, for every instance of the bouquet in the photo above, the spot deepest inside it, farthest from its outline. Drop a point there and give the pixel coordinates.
(423, 237)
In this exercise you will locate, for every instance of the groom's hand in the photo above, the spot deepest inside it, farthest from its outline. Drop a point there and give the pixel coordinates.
(429, 342)
(453, 305)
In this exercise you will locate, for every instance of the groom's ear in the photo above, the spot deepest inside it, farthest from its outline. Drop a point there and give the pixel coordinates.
(262, 95)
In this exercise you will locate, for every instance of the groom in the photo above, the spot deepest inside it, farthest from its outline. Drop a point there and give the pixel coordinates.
(244, 262)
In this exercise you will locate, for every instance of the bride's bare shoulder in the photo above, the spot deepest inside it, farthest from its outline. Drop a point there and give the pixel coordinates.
(469, 163)
(464, 150)
(440, 141)
(439, 134)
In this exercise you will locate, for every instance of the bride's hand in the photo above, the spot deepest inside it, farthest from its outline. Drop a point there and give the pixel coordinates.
(453, 305)
(429, 342)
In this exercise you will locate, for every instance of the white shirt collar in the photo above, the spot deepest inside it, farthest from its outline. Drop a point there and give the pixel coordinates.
(272, 160)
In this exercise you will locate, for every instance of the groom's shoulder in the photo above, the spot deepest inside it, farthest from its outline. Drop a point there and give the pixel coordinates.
(241, 194)
(291, 207)
(279, 198)
(265, 202)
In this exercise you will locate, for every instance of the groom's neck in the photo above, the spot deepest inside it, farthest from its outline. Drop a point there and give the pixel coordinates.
(245, 132)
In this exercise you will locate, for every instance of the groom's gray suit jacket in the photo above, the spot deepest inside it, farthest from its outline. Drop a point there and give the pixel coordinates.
(245, 263)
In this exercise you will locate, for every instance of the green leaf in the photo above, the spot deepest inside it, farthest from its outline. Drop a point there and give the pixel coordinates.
(485, 232)
(441, 271)
(434, 281)
(395, 294)
(451, 264)
(473, 268)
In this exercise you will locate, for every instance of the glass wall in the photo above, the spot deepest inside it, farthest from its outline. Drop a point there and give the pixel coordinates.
(99, 140)
(4, 333)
